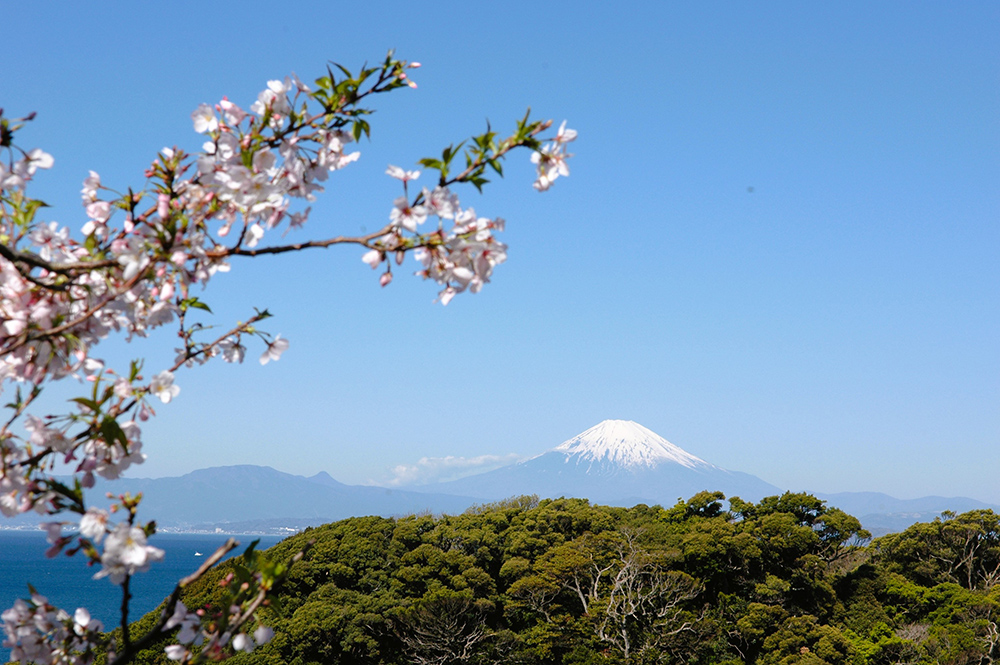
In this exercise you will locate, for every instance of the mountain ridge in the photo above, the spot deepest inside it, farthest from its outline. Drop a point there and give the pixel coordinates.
(616, 462)
(628, 444)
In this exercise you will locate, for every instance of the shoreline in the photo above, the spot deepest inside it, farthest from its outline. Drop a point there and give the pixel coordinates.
(276, 533)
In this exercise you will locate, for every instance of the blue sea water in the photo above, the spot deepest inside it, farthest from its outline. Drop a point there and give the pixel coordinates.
(68, 582)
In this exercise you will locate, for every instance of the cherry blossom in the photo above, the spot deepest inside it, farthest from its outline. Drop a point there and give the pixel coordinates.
(204, 119)
(551, 158)
(274, 350)
(407, 216)
(93, 524)
(90, 186)
(133, 266)
(38, 632)
(441, 202)
(400, 174)
(565, 135)
(126, 553)
(263, 635)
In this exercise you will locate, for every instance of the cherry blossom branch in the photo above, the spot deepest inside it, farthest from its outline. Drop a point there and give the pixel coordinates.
(158, 631)
(20, 408)
(72, 323)
(68, 295)
(364, 240)
(30, 258)
(126, 597)
(35, 261)
(239, 329)
(481, 162)
(262, 594)
(209, 563)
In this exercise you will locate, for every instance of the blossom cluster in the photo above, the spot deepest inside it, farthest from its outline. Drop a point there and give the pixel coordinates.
(551, 158)
(60, 296)
(191, 634)
(461, 257)
(132, 266)
(37, 632)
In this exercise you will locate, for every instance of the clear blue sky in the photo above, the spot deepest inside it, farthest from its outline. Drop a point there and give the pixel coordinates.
(835, 329)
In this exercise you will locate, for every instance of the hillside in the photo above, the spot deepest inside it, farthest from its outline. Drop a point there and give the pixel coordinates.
(784, 581)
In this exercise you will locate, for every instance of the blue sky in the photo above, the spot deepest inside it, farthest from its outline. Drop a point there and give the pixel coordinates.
(834, 329)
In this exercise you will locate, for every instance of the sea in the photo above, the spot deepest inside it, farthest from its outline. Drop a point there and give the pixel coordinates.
(68, 582)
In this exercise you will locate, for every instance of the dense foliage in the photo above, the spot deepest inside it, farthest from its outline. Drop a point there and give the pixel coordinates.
(784, 581)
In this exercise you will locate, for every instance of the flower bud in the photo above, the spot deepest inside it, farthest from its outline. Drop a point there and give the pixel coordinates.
(373, 258)
(385, 279)
(163, 206)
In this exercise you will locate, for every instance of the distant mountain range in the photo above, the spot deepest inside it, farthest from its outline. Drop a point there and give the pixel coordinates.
(259, 499)
(616, 462)
(882, 514)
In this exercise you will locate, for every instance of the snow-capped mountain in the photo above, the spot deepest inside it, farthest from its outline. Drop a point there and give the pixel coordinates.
(625, 444)
(616, 462)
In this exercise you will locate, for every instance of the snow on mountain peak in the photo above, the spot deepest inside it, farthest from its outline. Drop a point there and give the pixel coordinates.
(627, 444)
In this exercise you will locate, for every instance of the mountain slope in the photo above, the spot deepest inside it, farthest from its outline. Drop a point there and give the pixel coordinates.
(616, 462)
(259, 498)
(241, 493)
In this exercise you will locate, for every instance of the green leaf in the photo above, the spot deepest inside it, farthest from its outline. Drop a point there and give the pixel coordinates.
(249, 554)
(89, 403)
(112, 432)
(241, 573)
(16, 404)
(194, 302)
(359, 127)
(74, 494)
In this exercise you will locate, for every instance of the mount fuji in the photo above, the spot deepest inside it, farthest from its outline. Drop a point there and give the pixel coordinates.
(616, 462)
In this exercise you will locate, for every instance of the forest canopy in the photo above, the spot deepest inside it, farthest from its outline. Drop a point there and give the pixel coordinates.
(785, 581)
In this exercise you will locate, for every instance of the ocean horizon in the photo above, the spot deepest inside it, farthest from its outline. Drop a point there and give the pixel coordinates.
(68, 582)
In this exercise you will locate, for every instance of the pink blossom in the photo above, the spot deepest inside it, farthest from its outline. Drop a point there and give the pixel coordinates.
(163, 387)
(400, 174)
(373, 258)
(565, 135)
(263, 635)
(93, 524)
(204, 119)
(126, 553)
(90, 186)
(231, 113)
(407, 216)
(274, 350)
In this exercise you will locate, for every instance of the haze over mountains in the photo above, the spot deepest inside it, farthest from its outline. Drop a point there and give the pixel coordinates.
(616, 462)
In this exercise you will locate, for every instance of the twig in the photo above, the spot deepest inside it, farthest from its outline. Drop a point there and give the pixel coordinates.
(280, 249)
(132, 648)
